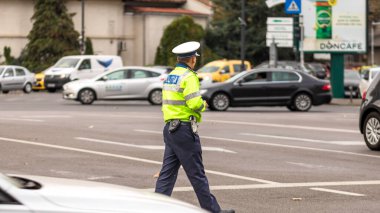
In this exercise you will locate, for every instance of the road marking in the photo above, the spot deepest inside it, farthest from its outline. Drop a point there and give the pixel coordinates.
(151, 147)
(285, 126)
(344, 143)
(274, 145)
(19, 119)
(46, 116)
(99, 178)
(280, 185)
(126, 157)
(337, 192)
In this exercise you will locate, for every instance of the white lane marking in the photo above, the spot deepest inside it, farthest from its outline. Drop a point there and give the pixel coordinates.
(19, 119)
(274, 145)
(344, 143)
(46, 116)
(151, 147)
(125, 157)
(281, 185)
(99, 178)
(285, 126)
(337, 192)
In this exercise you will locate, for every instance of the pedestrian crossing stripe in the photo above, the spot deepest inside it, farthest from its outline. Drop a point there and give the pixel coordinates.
(293, 7)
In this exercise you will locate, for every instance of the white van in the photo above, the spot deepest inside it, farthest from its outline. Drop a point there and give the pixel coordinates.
(366, 78)
(72, 68)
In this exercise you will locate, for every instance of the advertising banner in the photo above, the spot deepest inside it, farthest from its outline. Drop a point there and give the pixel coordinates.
(335, 26)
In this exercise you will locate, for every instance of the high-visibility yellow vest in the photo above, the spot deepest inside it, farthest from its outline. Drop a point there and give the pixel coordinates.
(180, 95)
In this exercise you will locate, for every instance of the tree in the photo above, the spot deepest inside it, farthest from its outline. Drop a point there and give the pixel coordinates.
(223, 36)
(89, 49)
(9, 59)
(181, 30)
(52, 36)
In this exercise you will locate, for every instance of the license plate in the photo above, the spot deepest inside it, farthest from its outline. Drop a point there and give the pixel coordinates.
(51, 85)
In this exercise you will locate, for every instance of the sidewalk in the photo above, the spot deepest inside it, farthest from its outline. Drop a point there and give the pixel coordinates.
(346, 101)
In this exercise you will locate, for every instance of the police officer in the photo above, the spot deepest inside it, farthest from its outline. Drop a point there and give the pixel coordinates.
(182, 105)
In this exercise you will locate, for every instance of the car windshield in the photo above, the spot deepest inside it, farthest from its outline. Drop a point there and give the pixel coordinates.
(352, 75)
(208, 69)
(315, 67)
(1, 70)
(67, 63)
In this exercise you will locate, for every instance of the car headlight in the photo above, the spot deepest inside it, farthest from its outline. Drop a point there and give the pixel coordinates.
(206, 78)
(203, 91)
(65, 75)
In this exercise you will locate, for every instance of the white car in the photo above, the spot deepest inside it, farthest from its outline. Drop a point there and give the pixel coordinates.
(366, 78)
(126, 83)
(34, 194)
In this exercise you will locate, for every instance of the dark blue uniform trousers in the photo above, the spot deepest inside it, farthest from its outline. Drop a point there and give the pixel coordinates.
(183, 147)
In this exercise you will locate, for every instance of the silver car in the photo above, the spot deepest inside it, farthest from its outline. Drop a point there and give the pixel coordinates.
(126, 83)
(36, 194)
(16, 78)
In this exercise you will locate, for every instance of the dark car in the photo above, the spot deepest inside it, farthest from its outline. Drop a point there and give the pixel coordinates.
(317, 69)
(296, 90)
(369, 120)
(351, 83)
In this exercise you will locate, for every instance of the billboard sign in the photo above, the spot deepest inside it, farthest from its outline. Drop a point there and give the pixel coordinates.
(280, 31)
(335, 26)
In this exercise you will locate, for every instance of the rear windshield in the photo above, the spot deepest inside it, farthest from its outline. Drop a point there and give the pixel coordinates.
(67, 63)
(208, 69)
(1, 70)
(352, 75)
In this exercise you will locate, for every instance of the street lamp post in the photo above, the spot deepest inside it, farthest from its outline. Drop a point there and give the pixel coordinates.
(243, 24)
(373, 41)
(82, 45)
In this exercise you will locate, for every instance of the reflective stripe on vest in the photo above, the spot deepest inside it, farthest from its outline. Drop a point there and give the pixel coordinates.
(174, 102)
(192, 95)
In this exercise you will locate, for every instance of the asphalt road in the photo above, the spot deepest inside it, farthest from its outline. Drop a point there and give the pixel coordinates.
(256, 159)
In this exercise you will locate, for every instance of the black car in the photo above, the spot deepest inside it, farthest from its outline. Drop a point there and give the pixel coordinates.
(296, 90)
(369, 120)
(351, 83)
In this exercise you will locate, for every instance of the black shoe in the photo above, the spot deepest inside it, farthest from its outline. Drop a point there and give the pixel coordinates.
(227, 211)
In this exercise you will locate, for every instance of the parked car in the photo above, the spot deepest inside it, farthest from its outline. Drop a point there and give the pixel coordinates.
(317, 69)
(126, 83)
(36, 194)
(296, 90)
(70, 68)
(369, 119)
(351, 83)
(16, 78)
(220, 70)
(367, 75)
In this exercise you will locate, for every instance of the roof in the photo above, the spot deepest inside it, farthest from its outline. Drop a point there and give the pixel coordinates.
(164, 10)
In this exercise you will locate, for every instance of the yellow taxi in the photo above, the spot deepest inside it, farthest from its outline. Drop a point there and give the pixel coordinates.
(39, 83)
(220, 70)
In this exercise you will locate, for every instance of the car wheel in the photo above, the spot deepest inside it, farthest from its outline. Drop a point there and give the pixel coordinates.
(372, 131)
(86, 96)
(219, 102)
(291, 108)
(155, 97)
(28, 88)
(302, 102)
(52, 90)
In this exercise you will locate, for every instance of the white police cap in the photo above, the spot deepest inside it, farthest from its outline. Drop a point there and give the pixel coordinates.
(187, 49)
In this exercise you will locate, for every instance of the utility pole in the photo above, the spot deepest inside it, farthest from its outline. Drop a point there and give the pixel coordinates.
(243, 25)
(373, 41)
(302, 55)
(82, 44)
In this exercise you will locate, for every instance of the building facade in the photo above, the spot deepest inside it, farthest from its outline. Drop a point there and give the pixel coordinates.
(131, 29)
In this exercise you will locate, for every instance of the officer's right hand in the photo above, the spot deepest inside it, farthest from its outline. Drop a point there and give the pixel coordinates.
(206, 104)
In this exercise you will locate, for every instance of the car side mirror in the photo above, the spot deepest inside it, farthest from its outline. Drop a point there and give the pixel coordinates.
(104, 78)
(366, 77)
(240, 82)
(6, 75)
(223, 72)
